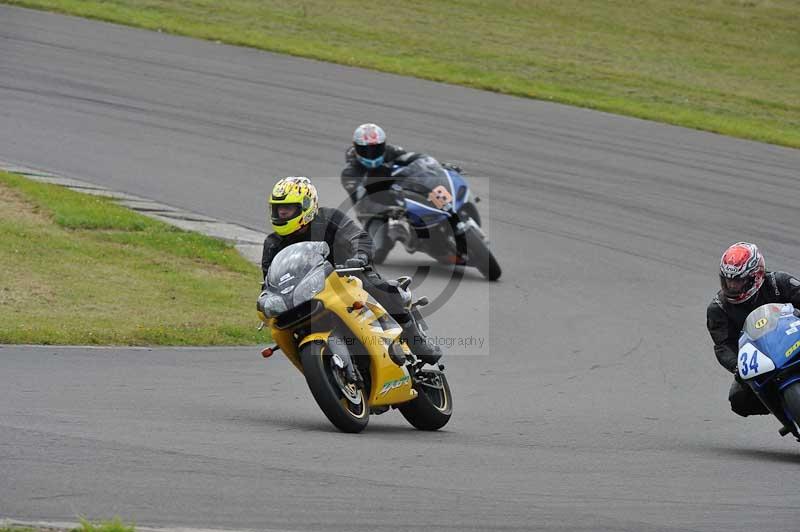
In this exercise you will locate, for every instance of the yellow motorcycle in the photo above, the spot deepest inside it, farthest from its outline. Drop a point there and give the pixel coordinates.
(346, 345)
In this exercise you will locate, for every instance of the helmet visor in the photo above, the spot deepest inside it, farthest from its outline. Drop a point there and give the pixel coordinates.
(283, 212)
(371, 151)
(736, 287)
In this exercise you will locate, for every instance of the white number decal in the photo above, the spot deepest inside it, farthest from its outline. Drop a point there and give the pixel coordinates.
(753, 362)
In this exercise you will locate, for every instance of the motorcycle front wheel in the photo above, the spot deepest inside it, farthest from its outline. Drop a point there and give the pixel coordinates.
(432, 408)
(343, 404)
(791, 402)
(480, 256)
(469, 210)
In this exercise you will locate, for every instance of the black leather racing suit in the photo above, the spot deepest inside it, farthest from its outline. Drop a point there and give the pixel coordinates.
(346, 240)
(367, 186)
(725, 322)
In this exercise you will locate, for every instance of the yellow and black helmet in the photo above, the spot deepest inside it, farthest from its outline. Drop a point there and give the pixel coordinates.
(297, 192)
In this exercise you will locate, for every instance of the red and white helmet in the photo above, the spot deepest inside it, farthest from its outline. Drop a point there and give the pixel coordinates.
(369, 140)
(741, 272)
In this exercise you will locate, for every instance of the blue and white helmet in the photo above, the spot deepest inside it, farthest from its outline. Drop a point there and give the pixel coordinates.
(369, 140)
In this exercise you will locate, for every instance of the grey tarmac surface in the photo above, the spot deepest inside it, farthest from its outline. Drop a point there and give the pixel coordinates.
(594, 403)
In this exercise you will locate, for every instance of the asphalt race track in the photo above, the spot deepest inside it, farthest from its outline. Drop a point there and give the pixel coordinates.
(594, 402)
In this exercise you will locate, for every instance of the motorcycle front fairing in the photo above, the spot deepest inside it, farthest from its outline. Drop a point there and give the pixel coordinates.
(296, 275)
(769, 349)
(425, 179)
(460, 189)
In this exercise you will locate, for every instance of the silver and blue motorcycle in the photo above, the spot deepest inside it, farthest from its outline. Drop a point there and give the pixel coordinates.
(435, 213)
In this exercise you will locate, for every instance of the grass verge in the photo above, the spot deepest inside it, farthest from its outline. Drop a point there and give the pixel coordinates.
(113, 525)
(79, 269)
(729, 66)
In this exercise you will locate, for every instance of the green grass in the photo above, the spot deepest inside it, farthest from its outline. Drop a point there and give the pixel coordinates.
(113, 525)
(730, 66)
(80, 269)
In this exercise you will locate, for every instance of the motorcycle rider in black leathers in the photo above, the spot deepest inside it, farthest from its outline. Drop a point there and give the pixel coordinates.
(746, 285)
(295, 216)
(367, 178)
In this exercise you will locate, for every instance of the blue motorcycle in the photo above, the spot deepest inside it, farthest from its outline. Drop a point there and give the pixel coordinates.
(435, 213)
(769, 361)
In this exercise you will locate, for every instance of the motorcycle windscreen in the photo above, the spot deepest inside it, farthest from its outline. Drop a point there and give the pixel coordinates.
(762, 320)
(428, 182)
(775, 331)
(298, 272)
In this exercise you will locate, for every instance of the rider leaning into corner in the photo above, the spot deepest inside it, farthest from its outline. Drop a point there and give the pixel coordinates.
(295, 216)
(367, 176)
(746, 285)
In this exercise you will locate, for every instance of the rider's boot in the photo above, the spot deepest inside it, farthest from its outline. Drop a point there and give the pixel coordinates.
(419, 343)
(382, 242)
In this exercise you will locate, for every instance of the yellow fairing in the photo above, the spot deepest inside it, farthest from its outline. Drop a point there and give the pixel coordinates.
(285, 341)
(390, 384)
(322, 336)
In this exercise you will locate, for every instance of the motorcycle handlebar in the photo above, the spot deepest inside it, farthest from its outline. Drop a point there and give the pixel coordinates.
(342, 269)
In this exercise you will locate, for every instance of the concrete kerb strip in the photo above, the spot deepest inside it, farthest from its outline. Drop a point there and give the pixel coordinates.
(247, 241)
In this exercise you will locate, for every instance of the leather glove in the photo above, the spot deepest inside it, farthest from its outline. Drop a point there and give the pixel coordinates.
(359, 261)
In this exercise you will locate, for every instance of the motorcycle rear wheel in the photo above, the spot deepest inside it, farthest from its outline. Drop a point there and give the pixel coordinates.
(432, 408)
(345, 406)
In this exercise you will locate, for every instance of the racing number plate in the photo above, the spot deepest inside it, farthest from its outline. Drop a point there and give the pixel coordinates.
(440, 197)
(753, 362)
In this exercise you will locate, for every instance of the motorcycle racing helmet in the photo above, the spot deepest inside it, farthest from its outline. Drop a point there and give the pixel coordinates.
(293, 204)
(741, 272)
(369, 141)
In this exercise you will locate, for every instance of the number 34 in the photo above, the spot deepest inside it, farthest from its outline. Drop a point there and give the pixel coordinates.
(743, 365)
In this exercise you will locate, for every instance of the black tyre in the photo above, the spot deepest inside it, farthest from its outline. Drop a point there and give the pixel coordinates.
(344, 405)
(480, 256)
(791, 401)
(432, 408)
